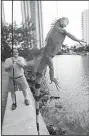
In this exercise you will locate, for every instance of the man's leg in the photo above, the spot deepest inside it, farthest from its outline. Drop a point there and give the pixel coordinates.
(14, 105)
(23, 86)
(13, 96)
(12, 89)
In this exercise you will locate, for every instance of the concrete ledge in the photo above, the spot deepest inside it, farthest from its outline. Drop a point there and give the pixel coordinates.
(22, 121)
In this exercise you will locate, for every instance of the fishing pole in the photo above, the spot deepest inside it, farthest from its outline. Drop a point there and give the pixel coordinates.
(13, 55)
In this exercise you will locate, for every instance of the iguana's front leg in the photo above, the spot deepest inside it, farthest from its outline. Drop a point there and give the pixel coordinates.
(56, 83)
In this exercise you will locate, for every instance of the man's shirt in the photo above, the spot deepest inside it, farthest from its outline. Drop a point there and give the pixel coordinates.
(18, 70)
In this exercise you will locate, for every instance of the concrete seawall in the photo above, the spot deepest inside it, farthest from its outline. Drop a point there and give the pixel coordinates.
(22, 121)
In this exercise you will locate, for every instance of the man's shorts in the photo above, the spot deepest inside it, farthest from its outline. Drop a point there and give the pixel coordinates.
(17, 84)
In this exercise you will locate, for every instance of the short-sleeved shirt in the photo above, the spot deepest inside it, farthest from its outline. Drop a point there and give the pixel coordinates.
(18, 70)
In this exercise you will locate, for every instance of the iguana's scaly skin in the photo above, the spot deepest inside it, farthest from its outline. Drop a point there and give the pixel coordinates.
(54, 42)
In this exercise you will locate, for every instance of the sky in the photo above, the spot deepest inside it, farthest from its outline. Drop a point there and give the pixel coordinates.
(53, 10)
(71, 9)
(16, 11)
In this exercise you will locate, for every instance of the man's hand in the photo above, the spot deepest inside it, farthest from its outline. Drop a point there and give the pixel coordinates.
(9, 68)
(13, 60)
(19, 63)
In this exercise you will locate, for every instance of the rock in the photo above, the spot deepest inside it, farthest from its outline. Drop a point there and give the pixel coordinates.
(40, 105)
(54, 97)
(32, 90)
(58, 106)
(52, 129)
(60, 131)
(45, 98)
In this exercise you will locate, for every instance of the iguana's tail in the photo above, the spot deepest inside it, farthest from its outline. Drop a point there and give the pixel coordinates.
(37, 87)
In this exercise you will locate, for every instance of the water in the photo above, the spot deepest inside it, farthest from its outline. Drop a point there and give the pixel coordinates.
(72, 72)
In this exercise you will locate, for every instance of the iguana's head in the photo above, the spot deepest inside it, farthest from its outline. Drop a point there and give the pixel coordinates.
(62, 22)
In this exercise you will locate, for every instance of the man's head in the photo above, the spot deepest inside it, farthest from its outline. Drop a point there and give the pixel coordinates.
(63, 22)
(15, 52)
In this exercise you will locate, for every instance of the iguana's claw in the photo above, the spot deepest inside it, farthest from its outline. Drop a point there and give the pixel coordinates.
(83, 41)
(56, 83)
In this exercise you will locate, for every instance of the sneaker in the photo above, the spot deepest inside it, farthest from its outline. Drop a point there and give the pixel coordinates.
(26, 102)
(13, 106)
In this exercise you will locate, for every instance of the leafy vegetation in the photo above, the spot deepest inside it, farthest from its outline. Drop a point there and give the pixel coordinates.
(19, 36)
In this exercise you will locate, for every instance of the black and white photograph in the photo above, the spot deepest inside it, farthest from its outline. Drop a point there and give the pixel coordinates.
(44, 67)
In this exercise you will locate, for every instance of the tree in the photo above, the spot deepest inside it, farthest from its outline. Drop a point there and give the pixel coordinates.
(22, 36)
(6, 36)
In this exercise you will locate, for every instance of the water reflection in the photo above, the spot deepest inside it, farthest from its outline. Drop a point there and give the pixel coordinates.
(73, 74)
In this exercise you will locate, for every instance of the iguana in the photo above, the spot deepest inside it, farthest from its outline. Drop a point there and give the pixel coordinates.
(54, 41)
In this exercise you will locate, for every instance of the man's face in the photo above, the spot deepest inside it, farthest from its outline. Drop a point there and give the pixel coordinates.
(15, 53)
(64, 22)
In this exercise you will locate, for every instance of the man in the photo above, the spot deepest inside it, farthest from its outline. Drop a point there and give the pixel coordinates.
(14, 66)
(54, 41)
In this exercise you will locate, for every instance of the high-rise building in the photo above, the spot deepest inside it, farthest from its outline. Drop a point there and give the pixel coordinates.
(32, 10)
(25, 10)
(3, 13)
(85, 25)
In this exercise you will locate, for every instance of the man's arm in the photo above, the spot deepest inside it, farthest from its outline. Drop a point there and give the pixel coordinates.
(7, 69)
(21, 62)
(8, 65)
